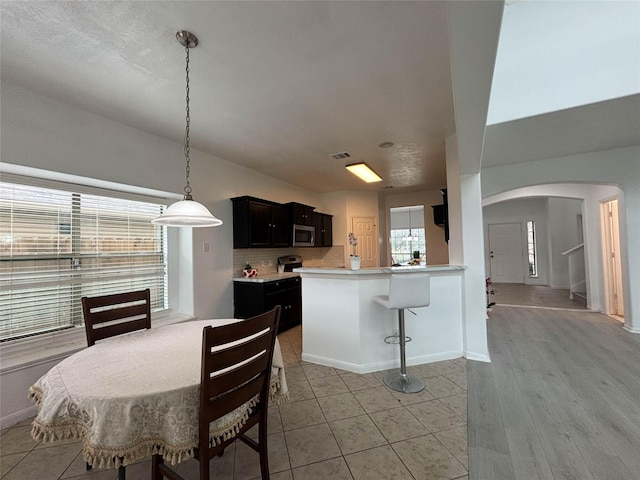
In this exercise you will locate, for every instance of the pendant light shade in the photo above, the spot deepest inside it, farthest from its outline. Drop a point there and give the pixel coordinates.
(187, 212)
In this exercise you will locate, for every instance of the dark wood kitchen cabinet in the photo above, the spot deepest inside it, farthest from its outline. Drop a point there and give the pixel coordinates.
(324, 229)
(254, 298)
(259, 223)
(300, 214)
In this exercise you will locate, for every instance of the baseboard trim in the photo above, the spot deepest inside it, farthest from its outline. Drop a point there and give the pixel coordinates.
(478, 357)
(631, 329)
(379, 366)
(19, 416)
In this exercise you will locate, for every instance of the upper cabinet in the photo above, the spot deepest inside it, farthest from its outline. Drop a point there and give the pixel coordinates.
(324, 229)
(301, 214)
(259, 223)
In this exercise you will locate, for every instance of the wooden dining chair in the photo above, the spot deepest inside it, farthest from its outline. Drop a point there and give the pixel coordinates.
(110, 315)
(232, 375)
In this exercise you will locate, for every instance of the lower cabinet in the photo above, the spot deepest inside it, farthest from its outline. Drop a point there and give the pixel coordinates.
(254, 298)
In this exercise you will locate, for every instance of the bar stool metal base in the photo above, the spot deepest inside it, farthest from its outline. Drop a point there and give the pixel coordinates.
(400, 382)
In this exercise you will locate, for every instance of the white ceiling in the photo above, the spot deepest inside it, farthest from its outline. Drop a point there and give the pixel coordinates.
(555, 55)
(275, 86)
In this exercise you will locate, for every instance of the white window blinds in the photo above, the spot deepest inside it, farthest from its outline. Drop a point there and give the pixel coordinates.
(58, 245)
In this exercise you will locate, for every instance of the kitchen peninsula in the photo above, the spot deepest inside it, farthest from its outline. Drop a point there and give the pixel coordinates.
(344, 328)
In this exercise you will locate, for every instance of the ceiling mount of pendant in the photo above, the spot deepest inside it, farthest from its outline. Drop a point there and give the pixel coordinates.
(186, 39)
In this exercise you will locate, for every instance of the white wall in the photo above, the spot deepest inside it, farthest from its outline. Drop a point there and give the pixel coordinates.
(466, 247)
(521, 211)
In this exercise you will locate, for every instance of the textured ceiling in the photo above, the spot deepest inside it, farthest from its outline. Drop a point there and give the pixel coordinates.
(275, 86)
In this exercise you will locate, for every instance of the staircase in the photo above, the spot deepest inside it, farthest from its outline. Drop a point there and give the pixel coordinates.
(577, 277)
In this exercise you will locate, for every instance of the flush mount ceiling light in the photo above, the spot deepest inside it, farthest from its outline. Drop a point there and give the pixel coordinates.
(187, 212)
(364, 172)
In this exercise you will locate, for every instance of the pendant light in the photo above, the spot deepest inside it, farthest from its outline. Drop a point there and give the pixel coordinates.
(187, 212)
(410, 237)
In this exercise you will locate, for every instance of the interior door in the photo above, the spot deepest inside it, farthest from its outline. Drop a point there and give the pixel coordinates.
(505, 250)
(613, 263)
(366, 231)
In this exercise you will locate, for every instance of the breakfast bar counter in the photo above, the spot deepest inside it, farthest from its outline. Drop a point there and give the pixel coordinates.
(343, 327)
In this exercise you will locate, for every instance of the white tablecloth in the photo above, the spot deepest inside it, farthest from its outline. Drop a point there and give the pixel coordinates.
(137, 394)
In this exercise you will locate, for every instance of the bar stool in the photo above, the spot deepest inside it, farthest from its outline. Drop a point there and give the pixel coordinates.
(409, 290)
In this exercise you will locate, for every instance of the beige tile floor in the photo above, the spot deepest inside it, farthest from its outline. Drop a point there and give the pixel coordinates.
(337, 425)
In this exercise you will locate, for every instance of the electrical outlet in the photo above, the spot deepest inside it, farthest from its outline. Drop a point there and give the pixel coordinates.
(206, 247)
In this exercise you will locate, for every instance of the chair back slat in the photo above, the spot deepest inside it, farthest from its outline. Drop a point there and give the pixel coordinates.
(227, 357)
(121, 312)
(230, 379)
(240, 330)
(118, 329)
(118, 313)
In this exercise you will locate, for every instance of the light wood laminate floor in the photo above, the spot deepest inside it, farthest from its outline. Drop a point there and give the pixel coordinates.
(535, 295)
(559, 400)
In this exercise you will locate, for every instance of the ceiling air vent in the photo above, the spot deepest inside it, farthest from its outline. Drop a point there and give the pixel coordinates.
(341, 155)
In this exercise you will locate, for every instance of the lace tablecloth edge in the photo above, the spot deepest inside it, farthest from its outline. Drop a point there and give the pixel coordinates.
(105, 457)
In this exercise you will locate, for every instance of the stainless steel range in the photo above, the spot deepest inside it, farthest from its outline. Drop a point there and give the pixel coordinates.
(289, 262)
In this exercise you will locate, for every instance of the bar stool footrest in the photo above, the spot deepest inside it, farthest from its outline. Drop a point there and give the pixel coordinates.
(395, 339)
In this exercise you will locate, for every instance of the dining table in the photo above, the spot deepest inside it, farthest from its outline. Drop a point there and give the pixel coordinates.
(134, 395)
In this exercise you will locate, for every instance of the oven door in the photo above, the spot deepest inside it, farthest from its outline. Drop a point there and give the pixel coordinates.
(303, 236)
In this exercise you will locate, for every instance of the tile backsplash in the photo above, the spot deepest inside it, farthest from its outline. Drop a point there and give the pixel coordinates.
(265, 259)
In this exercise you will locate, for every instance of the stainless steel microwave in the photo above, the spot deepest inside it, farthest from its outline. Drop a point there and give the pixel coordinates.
(304, 236)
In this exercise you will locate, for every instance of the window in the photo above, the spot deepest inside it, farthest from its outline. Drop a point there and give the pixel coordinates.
(407, 233)
(58, 244)
(531, 249)
(403, 245)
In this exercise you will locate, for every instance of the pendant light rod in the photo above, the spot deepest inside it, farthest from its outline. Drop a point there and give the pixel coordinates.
(187, 213)
(187, 42)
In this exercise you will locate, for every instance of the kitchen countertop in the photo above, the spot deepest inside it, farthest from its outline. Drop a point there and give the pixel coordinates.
(380, 270)
(270, 277)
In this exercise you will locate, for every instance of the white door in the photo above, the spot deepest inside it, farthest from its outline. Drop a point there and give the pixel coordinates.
(505, 250)
(366, 231)
(613, 263)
